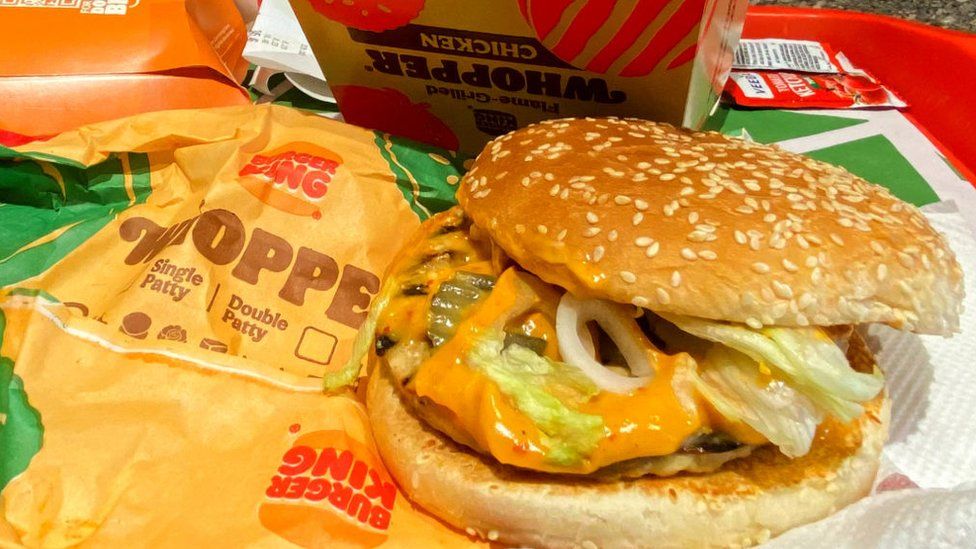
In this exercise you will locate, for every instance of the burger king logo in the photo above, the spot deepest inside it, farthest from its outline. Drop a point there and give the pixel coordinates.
(329, 489)
(292, 178)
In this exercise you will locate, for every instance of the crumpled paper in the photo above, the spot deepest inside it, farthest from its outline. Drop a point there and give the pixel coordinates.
(277, 44)
(925, 493)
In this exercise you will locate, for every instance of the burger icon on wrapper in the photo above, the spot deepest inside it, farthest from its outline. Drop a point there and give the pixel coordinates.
(173, 332)
(629, 334)
(136, 325)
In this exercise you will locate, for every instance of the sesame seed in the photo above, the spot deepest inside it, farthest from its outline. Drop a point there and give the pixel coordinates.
(653, 249)
(769, 218)
(837, 239)
(542, 229)
(643, 241)
(598, 253)
(782, 290)
(806, 300)
(591, 231)
(554, 190)
(662, 296)
(526, 181)
(689, 254)
(638, 217)
(640, 301)
(640, 204)
(612, 235)
(790, 266)
(816, 275)
(760, 267)
(740, 237)
(685, 191)
(667, 177)
(882, 272)
(628, 277)
(621, 199)
(591, 217)
(745, 210)
(561, 235)
(708, 255)
(675, 279)
(693, 218)
(754, 323)
(612, 172)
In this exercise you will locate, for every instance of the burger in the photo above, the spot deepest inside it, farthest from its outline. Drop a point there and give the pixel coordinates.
(630, 334)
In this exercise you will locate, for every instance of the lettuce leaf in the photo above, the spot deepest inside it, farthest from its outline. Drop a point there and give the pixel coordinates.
(349, 372)
(547, 392)
(730, 380)
(806, 357)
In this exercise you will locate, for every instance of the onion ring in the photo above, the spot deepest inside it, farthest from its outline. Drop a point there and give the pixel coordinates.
(576, 346)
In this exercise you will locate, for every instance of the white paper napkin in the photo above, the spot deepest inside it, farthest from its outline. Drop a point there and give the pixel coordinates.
(925, 495)
(276, 41)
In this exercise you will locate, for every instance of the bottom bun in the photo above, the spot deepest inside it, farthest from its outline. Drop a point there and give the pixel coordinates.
(746, 502)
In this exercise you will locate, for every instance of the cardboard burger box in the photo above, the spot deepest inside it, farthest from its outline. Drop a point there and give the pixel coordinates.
(455, 73)
(66, 63)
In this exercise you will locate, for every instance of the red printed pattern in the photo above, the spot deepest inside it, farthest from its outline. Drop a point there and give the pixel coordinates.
(335, 476)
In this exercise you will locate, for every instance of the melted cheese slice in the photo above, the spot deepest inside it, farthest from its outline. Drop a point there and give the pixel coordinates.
(651, 421)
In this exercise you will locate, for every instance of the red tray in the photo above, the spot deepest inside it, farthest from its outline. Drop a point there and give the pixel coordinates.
(933, 69)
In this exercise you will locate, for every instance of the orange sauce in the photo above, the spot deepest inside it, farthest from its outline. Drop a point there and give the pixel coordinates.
(650, 421)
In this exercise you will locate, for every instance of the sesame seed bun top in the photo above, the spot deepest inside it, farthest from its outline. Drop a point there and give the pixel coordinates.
(701, 224)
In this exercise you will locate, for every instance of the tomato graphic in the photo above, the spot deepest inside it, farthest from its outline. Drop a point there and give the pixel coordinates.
(391, 111)
(588, 34)
(864, 89)
(371, 15)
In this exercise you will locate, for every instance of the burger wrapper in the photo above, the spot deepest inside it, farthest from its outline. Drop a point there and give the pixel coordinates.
(175, 285)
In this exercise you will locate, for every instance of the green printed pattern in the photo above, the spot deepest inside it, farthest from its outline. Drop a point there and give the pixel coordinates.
(769, 126)
(874, 158)
(427, 176)
(41, 194)
(21, 430)
(877, 160)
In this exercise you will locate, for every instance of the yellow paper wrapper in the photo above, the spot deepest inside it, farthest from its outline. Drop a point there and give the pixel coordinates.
(174, 287)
